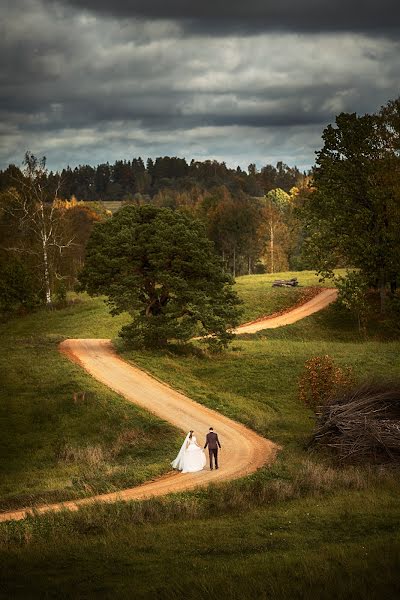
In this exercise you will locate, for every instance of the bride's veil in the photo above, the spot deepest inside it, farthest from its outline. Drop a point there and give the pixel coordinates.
(178, 462)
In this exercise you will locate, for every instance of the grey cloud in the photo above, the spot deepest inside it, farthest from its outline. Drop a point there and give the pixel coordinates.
(76, 85)
(219, 17)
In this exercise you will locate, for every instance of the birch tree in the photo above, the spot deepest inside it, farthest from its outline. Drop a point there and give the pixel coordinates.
(31, 205)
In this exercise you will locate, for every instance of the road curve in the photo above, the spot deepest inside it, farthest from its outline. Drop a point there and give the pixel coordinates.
(243, 450)
(310, 307)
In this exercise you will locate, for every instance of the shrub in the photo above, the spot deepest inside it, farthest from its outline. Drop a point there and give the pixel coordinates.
(321, 379)
(17, 287)
(353, 289)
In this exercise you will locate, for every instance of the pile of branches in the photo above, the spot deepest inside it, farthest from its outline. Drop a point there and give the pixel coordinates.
(362, 423)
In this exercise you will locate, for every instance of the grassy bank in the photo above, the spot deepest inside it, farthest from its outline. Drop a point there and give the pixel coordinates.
(301, 528)
(63, 434)
(260, 298)
(334, 548)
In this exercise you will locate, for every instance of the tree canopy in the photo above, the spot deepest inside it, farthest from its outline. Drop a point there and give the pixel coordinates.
(158, 265)
(353, 218)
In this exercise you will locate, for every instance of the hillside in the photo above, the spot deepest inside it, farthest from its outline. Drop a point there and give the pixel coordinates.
(301, 528)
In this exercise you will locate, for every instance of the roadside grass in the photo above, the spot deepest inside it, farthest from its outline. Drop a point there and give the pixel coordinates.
(261, 299)
(336, 547)
(300, 528)
(64, 435)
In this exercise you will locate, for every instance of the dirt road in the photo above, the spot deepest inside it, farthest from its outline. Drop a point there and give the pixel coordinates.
(243, 451)
(317, 303)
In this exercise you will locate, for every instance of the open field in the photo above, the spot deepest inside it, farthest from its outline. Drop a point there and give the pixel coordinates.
(259, 298)
(339, 547)
(299, 529)
(56, 443)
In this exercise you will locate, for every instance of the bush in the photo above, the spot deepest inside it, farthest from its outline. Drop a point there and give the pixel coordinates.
(321, 379)
(17, 288)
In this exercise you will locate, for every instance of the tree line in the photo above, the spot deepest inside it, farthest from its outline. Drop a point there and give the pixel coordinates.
(45, 225)
(346, 213)
(133, 179)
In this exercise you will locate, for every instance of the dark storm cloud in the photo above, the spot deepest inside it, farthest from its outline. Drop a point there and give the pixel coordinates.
(236, 16)
(82, 87)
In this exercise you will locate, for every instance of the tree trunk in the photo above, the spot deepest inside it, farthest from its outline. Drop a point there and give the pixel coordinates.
(271, 246)
(249, 265)
(46, 274)
(234, 262)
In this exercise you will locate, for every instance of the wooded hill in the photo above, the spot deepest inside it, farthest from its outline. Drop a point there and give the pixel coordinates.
(132, 179)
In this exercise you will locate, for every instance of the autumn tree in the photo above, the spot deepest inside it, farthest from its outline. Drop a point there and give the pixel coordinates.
(274, 229)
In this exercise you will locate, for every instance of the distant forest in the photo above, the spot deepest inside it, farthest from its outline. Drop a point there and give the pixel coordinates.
(46, 218)
(133, 179)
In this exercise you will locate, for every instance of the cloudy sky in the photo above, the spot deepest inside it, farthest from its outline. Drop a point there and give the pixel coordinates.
(90, 81)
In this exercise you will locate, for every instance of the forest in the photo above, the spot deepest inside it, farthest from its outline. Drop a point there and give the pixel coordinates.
(342, 213)
(47, 217)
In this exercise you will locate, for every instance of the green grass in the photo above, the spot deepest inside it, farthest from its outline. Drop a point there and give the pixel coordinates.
(54, 447)
(260, 298)
(332, 548)
(300, 528)
(256, 381)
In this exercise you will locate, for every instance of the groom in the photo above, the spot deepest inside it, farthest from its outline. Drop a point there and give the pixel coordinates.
(213, 444)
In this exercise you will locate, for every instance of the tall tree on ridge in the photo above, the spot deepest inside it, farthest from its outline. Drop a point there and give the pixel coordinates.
(354, 215)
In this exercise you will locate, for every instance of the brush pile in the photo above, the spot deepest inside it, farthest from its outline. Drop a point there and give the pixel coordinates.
(362, 423)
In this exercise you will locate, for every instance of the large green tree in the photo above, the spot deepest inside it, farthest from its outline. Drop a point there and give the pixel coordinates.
(353, 218)
(158, 265)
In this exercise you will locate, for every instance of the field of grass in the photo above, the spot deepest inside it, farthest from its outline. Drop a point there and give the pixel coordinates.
(55, 444)
(301, 528)
(338, 547)
(260, 298)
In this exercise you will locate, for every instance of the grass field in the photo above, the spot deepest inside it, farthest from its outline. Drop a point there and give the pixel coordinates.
(55, 444)
(301, 528)
(259, 298)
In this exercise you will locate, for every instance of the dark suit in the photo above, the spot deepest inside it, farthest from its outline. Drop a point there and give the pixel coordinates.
(213, 444)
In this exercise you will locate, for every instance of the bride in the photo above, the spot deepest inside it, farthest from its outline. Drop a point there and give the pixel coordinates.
(191, 457)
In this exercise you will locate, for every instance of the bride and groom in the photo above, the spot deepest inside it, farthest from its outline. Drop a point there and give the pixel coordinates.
(191, 457)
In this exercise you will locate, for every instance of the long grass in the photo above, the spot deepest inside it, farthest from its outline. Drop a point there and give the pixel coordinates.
(300, 528)
(64, 435)
(322, 548)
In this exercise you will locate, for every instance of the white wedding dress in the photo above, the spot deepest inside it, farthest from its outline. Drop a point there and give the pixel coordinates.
(191, 457)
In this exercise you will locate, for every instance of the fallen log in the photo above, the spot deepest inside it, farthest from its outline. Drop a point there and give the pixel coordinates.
(285, 282)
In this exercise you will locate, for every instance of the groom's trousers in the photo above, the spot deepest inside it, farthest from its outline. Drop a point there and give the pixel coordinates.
(213, 452)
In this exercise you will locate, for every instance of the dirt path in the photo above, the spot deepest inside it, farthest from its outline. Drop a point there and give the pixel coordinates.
(243, 451)
(316, 303)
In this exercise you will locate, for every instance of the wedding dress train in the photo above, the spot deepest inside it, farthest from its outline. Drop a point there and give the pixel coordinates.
(191, 457)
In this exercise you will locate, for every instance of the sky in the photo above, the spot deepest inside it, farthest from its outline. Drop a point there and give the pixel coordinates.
(255, 81)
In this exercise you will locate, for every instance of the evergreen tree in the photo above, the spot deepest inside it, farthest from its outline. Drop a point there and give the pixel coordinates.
(158, 265)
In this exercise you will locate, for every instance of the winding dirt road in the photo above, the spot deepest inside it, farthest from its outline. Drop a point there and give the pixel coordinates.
(243, 451)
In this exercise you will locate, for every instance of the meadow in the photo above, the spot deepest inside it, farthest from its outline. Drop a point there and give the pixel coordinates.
(63, 434)
(303, 527)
